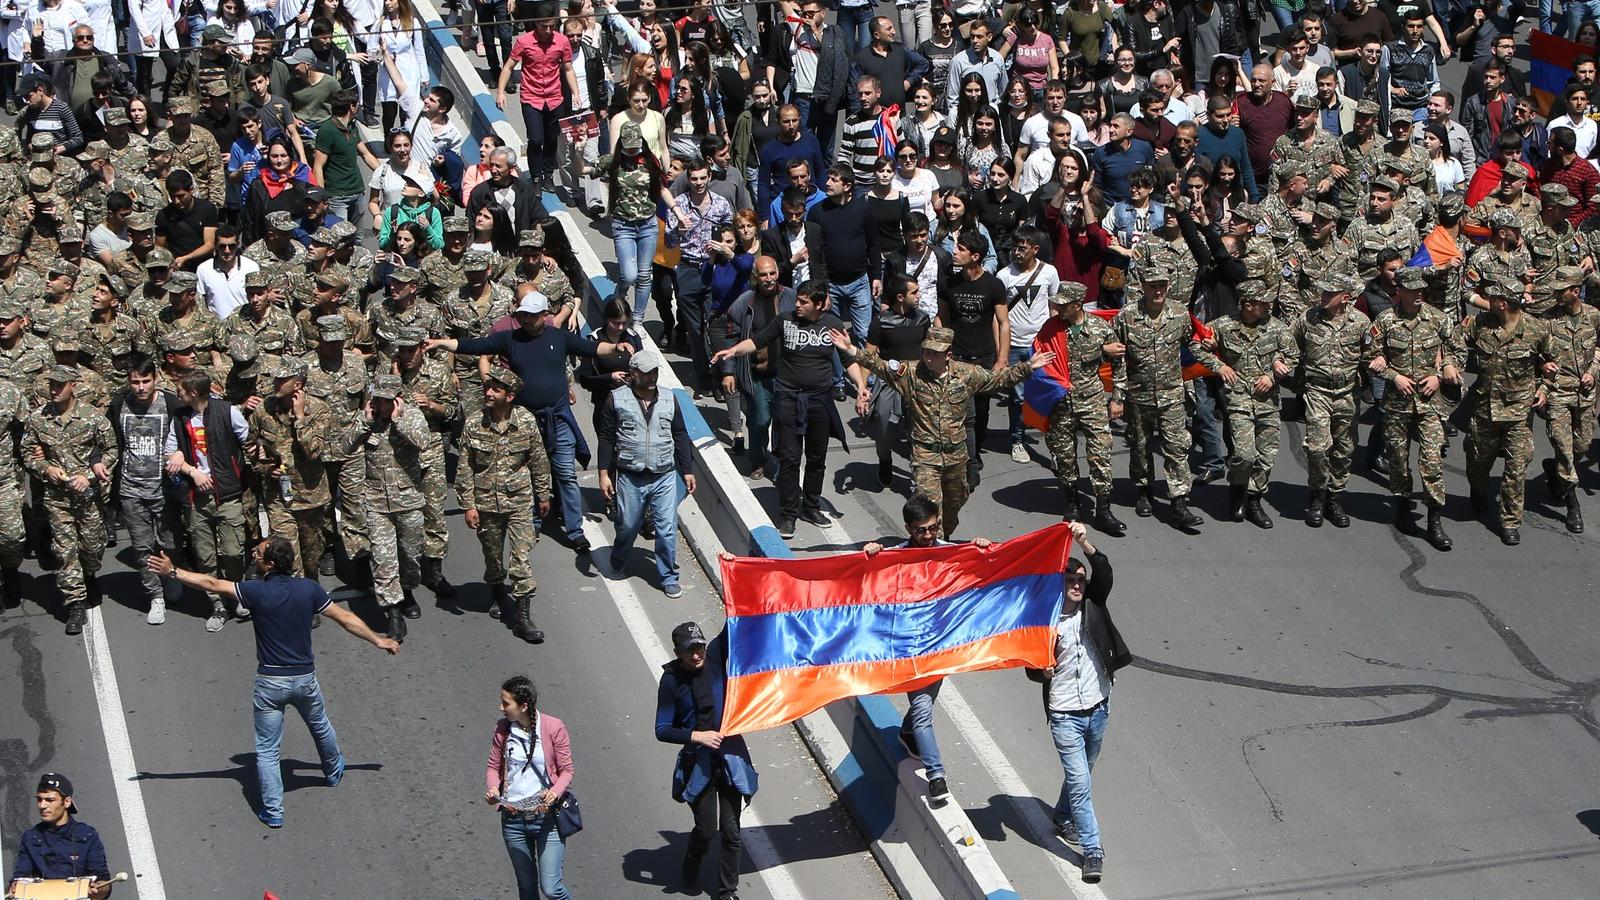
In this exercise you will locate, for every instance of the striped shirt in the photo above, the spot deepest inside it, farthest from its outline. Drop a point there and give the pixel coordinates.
(858, 146)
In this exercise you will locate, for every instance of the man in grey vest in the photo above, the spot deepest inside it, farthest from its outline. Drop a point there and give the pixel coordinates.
(643, 447)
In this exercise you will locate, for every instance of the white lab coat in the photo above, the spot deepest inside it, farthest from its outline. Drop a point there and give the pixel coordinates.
(409, 59)
(105, 28)
(12, 15)
(153, 18)
(58, 24)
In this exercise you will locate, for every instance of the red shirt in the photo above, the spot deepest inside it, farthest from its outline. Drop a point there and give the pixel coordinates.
(1581, 180)
(542, 65)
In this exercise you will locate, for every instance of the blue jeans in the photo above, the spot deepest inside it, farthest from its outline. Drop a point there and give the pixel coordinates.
(272, 694)
(1014, 414)
(639, 495)
(349, 208)
(537, 856)
(852, 302)
(758, 419)
(856, 23)
(564, 471)
(1077, 739)
(919, 721)
(494, 25)
(1575, 12)
(1283, 17)
(636, 247)
(1207, 427)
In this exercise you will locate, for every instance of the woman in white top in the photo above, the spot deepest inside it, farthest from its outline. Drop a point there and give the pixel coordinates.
(231, 14)
(105, 28)
(1447, 170)
(388, 182)
(151, 27)
(403, 67)
(529, 773)
(54, 21)
(915, 184)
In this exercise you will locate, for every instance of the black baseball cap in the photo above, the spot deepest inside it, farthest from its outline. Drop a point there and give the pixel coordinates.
(51, 781)
(686, 636)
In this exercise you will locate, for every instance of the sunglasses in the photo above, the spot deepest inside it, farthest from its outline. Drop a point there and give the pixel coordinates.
(924, 529)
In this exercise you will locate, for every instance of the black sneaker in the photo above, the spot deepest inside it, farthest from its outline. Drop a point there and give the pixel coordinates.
(581, 545)
(938, 791)
(841, 393)
(1069, 832)
(690, 871)
(325, 565)
(738, 446)
(908, 740)
(1093, 867)
(786, 529)
(816, 517)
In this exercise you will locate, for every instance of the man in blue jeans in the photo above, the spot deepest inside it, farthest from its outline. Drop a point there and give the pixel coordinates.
(643, 447)
(921, 516)
(283, 606)
(1077, 693)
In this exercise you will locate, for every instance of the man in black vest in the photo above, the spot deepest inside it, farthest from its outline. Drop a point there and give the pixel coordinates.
(207, 451)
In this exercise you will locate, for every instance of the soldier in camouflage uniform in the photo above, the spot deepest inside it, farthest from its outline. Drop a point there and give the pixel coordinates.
(14, 409)
(289, 434)
(1513, 195)
(275, 332)
(248, 382)
(1400, 146)
(1552, 243)
(400, 307)
(1569, 382)
(470, 312)
(1379, 229)
(278, 254)
(1309, 146)
(1259, 256)
(130, 264)
(149, 292)
(1251, 352)
(504, 477)
(1167, 248)
(338, 377)
(196, 150)
(1082, 411)
(58, 308)
(534, 267)
(431, 389)
(1445, 282)
(1286, 212)
(23, 354)
(126, 151)
(1417, 350)
(90, 270)
(185, 313)
(1411, 203)
(1315, 250)
(11, 165)
(359, 260)
(102, 177)
(150, 180)
(178, 359)
(328, 298)
(15, 279)
(441, 273)
(91, 389)
(112, 336)
(1330, 339)
(71, 448)
(1508, 349)
(61, 170)
(1506, 258)
(935, 393)
(1357, 161)
(211, 64)
(394, 438)
(1155, 334)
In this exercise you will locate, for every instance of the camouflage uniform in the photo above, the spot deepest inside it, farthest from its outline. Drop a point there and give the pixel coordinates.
(1173, 256)
(1488, 264)
(470, 314)
(1154, 395)
(433, 381)
(22, 364)
(92, 188)
(1569, 414)
(504, 473)
(198, 152)
(72, 441)
(276, 335)
(1315, 155)
(441, 278)
(1366, 238)
(1507, 360)
(289, 447)
(14, 410)
(49, 317)
(1418, 346)
(92, 389)
(386, 320)
(395, 451)
(342, 385)
(936, 416)
(1303, 262)
(199, 324)
(1551, 247)
(1525, 207)
(279, 266)
(1418, 168)
(1083, 410)
(1362, 165)
(1330, 357)
(1253, 419)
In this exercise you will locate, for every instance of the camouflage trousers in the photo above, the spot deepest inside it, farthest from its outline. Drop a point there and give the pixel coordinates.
(1086, 417)
(1489, 440)
(1146, 421)
(1253, 426)
(12, 531)
(1400, 428)
(1330, 438)
(495, 531)
(349, 481)
(396, 551)
(1570, 427)
(435, 530)
(216, 537)
(78, 540)
(251, 502)
(303, 528)
(946, 486)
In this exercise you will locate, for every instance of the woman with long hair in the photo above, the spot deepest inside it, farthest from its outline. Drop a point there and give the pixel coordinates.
(642, 67)
(1226, 190)
(1000, 208)
(664, 49)
(922, 120)
(958, 215)
(388, 181)
(939, 50)
(1123, 86)
(140, 122)
(1447, 170)
(528, 775)
(414, 206)
(637, 184)
(697, 63)
(688, 120)
(493, 232)
(942, 161)
(637, 110)
(886, 207)
(600, 375)
(1224, 79)
(403, 66)
(1032, 51)
(405, 245)
(972, 98)
(232, 15)
(1082, 24)
(981, 148)
(916, 184)
(1017, 104)
(280, 185)
(1096, 118)
(756, 125)
(1077, 74)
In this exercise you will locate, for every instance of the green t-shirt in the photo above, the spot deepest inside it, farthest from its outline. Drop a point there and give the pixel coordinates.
(310, 101)
(342, 170)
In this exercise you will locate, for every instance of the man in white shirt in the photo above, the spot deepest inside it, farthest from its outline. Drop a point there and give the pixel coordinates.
(1041, 165)
(221, 278)
(1177, 111)
(1029, 285)
(1577, 119)
(1035, 134)
(1296, 74)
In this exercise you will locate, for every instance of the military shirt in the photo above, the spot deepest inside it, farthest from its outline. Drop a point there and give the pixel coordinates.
(503, 464)
(358, 332)
(386, 322)
(936, 405)
(1574, 338)
(1086, 342)
(1301, 264)
(1550, 247)
(277, 267)
(1361, 164)
(92, 389)
(1366, 239)
(1331, 348)
(74, 441)
(441, 278)
(1249, 350)
(397, 453)
(1526, 206)
(434, 381)
(30, 356)
(56, 319)
(1487, 262)
(1507, 359)
(1155, 345)
(469, 317)
(275, 332)
(549, 281)
(1173, 255)
(296, 445)
(1317, 155)
(1418, 346)
(200, 154)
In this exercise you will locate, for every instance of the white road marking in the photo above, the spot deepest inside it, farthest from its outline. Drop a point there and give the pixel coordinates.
(768, 862)
(119, 750)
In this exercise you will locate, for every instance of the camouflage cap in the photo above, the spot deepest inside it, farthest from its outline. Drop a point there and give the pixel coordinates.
(216, 31)
(1327, 211)
(158, 258)
(531, 237)
(1411, 278)
(1153, 270)
(405, 274)
(1452, 206)
(161, 143)
(11, 307)
(1333, 282)
(1505, 218)
(41, 142)
(61, 374)
(1566, 277)
(344, 231)
(1513, 173)
(279, 220)
(336, 278)
(387, 387)
(1254, 291)
(289, 367)
(9, 245)
(259, 280)
(332, 328)
(181, 281)
(242, 348)
(60, 266)
(409, 336)
(325, 236)
(216, 89)
(1367, 108)
(1557, 194)
(39, 179)
(938, 339)
(176, 340)
(1248, 212)
(1305, 102)
(181, 106)
(116, 115)
(141, 221)
(1394, 165)
(1289, 169)
(115, 285)
(1402, 117)
(10, 144)
(457, 223)
(95, 150)
(1069, 292)
(47, 197)
(630, 139)
(70, 233)
(475, 261)
(1510, 291)
(1384, 183)
(510, 381)
(64, 343)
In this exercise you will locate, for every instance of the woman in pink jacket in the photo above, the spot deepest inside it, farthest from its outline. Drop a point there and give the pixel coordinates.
(530, 768)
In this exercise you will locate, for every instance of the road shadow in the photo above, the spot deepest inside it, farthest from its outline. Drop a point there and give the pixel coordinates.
(1006, 815)
(1590, 819)
(857, 475)
(792, 841)
(243, 772)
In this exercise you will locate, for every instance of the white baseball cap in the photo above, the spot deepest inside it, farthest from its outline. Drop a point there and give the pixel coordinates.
(535, 303)
(646, 360)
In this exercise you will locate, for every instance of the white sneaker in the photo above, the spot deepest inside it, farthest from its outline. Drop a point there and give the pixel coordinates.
(158, 611)
(214, 624)
(1019, 452)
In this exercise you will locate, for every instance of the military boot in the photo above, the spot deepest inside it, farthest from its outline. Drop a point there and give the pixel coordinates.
(1142, 507)
(1334, 510)
(1182, 516)
(433, 578)
(77, 617)
(10, 589)
(409, 607)
(397, 624)
(499, 601)
(1405, 515)
(1436, 535)
(522, 626)
(1254, 513)
(1070, 512)
(1314, 509)
(1106, 521)
(1574, 514)
(1236, 502)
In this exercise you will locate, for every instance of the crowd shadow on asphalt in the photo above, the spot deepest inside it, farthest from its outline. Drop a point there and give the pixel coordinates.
(793, 841)
(1003, 817)
(243, 772)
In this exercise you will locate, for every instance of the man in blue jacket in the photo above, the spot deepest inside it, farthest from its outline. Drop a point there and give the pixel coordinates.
(1219, 137)
(713, 773)
(60, 846)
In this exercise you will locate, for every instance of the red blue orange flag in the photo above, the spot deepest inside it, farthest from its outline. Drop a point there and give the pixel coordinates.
(803, 633)
(1551, 62)
(1437, 249)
